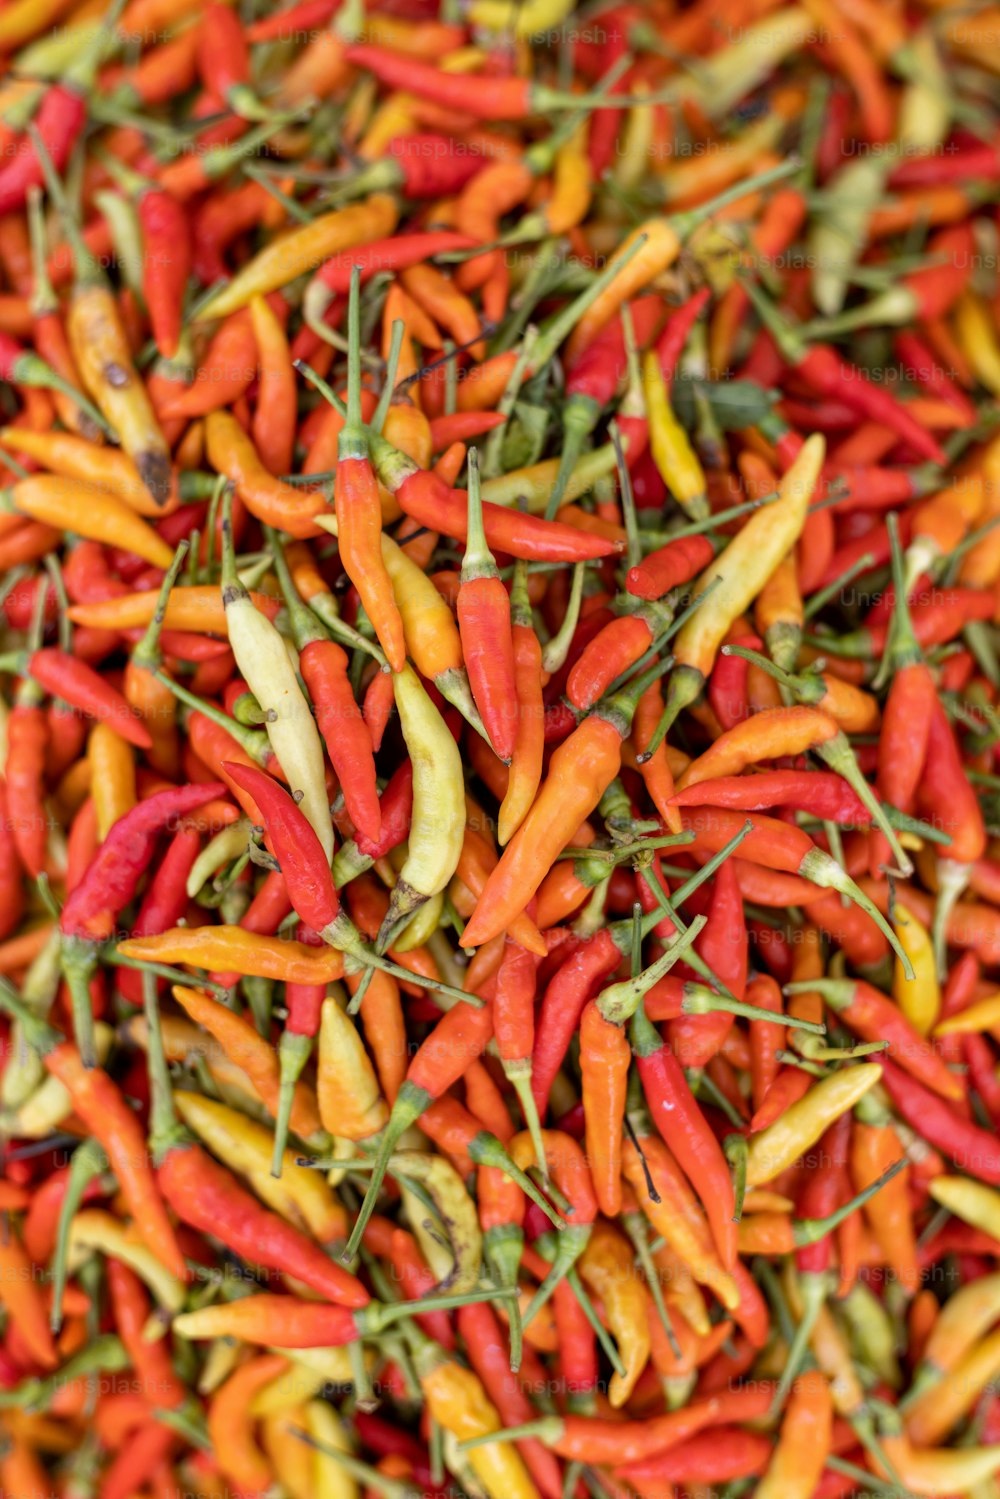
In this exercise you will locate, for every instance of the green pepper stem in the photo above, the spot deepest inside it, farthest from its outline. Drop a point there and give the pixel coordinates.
(811, 1230)
(478, 561)
(619, 1002)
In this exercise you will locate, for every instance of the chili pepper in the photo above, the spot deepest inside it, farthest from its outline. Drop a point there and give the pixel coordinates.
(819, 793)
(100, 349)
(683, 1128)
(301, 1195)
(261, 657)
(428, 500)
(204, 1195)
(780, 1144)
(23, 1301)
(303, 250)
(782, 847)
(580, 771)
(873, 1149)
(97, 1100)
(748, 560)
(407, 156)
(830, 377)
(107, 886)
(802, 1448)
(485, 628)
(438, 817)
(874, 1017)
(59, 122)
(963, 1141)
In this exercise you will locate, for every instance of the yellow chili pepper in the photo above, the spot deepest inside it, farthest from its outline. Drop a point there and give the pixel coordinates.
(774, 1149)
(933, 1472)
(299, 1194)
(429, 628)
(303, 249)
(452, 1242)
(227, 845)
(262, 657)
(25, 19)
(670, 445)
(96, 1229)
(224, 949)
(982, 1016)
(394, 116)
(839, 230)
(607, 1266)
(291, 1459)
(735, 578)
(437, 825)
(962, 1320)
(457, 1401)
(729, 74)
(526, 20)
(25, 1070)
(89, 511)
(350, 1100)
(330, 1479)
(76, 458)
(100, 348)
(112, 772)
(974, 1202)
(930, 1418)
(303, 1380)
(49, 1104)
(977, 337)
(637, 143)
(779, 614)
(572, 186)
(919, 998)
(532, 486)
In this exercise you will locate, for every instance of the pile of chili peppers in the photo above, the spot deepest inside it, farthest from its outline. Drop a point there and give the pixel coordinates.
(500, 746)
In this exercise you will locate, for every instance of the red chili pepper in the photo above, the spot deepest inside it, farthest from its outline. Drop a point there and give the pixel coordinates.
(123, 858)
(12, 894)
(396, 807)
(818, 793)
(686, 1131)
(945, 793)
(166, 265)
(382, 255)
(973, 1149)
(727, 685)
(345, 732)
(299, 852)
(428, 499)
(981, 1061)
(924, 368)
(670, 345)
(224, 59)
(485, 98)
(829, 376)
(24, 772)
(677, 562)
(164, 901)
(83, 688)
(485, 629)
